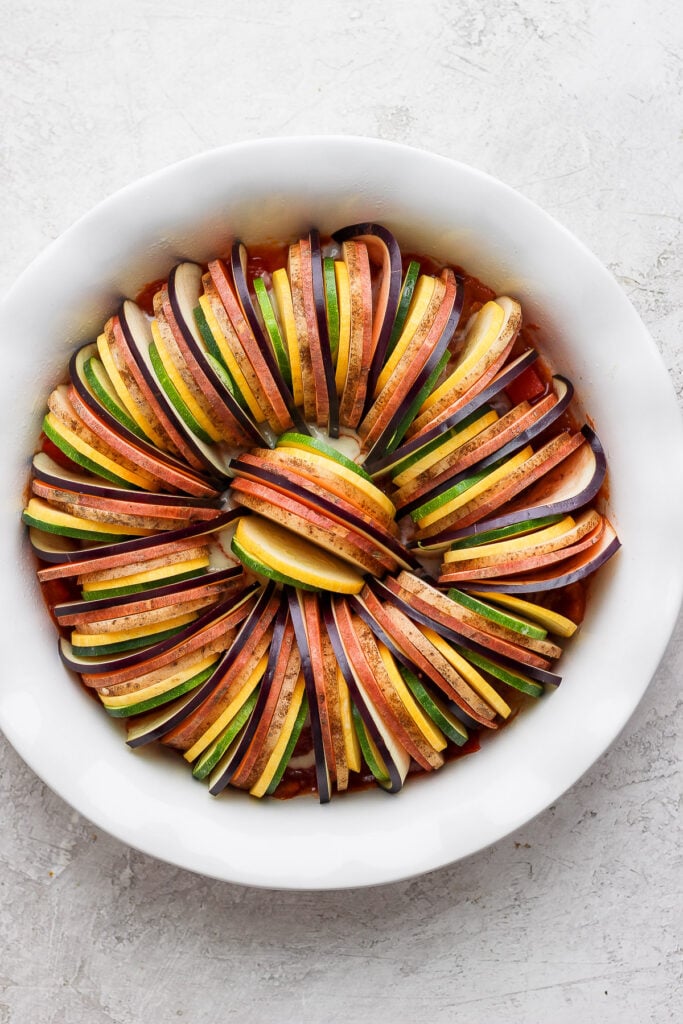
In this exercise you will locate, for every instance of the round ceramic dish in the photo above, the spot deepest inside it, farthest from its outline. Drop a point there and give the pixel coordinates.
(274, 190)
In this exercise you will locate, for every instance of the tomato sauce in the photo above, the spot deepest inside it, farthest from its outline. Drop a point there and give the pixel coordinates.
(302, 781)
(264, 259)
(145, 297)
(57, 455)
(532, 385)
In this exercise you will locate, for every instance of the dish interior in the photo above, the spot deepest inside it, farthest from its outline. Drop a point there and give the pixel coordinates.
(272, 191)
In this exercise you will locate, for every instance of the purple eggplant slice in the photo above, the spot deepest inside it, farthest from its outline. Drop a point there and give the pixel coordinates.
(238, 266)
(571, 571)
(382, 465)
(85, 560)
(394, 760)
(400, 421)
(184, 289)
(230, 762)
(381, 245)
(574, 483)
(323, 332)
(322, 770)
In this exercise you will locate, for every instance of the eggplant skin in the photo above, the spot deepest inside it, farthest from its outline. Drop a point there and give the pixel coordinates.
(205, 455)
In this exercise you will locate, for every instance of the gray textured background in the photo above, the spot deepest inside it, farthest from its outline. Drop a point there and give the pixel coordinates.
(577, 917)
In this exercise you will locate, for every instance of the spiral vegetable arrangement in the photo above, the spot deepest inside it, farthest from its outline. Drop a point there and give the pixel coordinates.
(330, 517)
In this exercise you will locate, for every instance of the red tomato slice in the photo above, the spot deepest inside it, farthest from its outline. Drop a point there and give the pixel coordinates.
(55, 453)
(527, 387)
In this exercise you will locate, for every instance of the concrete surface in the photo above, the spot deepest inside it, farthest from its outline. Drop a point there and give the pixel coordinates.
(577, 917)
